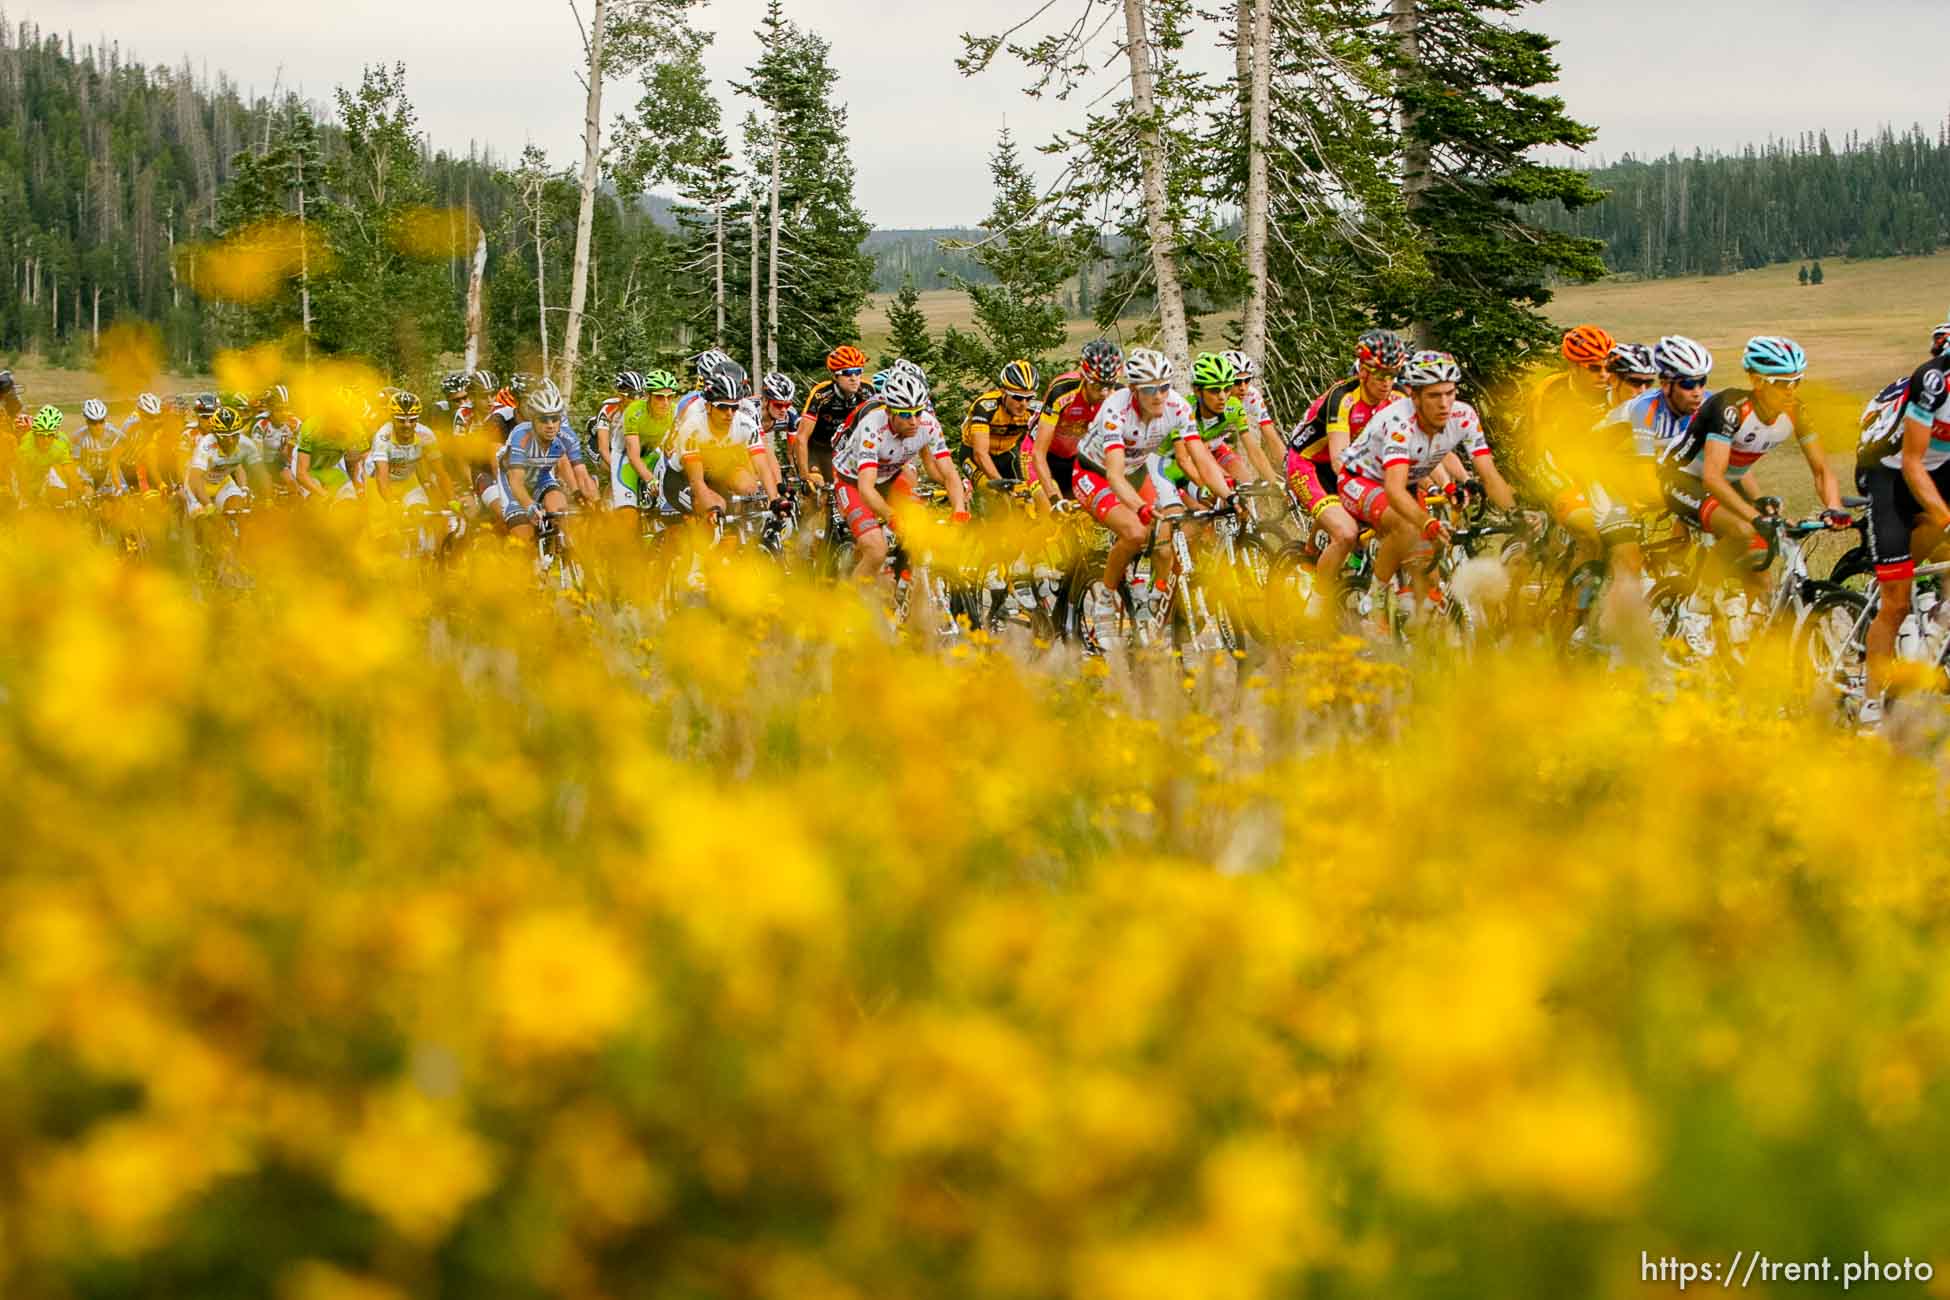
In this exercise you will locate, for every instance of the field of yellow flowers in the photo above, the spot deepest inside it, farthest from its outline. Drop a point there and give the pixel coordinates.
(373, 934)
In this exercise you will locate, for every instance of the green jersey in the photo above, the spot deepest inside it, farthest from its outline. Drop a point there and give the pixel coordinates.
(649, 430)
(328, 452)
(39, 457)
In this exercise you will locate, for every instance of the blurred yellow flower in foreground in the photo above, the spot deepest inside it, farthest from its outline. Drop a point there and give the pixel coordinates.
(562, 983)
(414, 1164)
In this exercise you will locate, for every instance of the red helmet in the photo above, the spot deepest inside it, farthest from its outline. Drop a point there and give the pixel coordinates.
(1588, 346)
(846, 357)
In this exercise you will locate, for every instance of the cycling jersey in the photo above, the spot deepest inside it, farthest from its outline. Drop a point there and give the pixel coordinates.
(1561, 415)
(217, 462)
(692, 438)
(1395, 437)
(829, 408)
(525, 455)
(1005, 431)
(869, 439)
(1341, 409)
(276, 439)
(1117, 424)
(401, 461)
(1728, 416)
(1258, 415)
(39, 457)
(328, 452)
(93, 449)
(1067, 414)
(1651, 421)
(1218, 429)
(1925, 398)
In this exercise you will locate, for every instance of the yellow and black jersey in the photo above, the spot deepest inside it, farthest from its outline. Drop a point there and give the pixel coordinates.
(1004, 430)
(829, 408)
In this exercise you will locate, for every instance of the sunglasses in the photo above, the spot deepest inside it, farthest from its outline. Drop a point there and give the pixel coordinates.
(724, 406)
(1689, 384)
(906, 412)
(1152, 390)
(548, 419)
(1794, 382)
(1016, 397)
(1592, 370)
(853, 373)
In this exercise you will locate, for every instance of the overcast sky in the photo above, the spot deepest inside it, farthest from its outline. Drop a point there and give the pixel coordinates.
(1652, 75)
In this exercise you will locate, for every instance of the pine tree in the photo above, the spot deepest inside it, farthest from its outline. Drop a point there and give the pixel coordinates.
(1804, 275)
(907, 330)
(1814, 272)
(825, 277)
(1019, 314)
(1469, 120)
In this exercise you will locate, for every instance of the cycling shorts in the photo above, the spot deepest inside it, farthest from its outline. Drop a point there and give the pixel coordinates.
(1313, 483)
(1893, 514)
(860, 518)
(1364, 498)
(1092, 490)
(1687, 498)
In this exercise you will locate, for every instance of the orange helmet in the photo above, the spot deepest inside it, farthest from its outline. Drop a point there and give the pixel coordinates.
(846, 357)
(1588, 346)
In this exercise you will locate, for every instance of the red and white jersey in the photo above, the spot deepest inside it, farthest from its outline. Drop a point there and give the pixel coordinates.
(1395, 437)
(1117, 425)
(871, 440)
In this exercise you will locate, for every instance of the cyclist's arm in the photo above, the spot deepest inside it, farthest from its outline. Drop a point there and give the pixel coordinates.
(703, 499)
(1713, 473)
(1402, 499)
(379, 481)
(1495, 486)
(1916, 441)
(1827, 486)
(1042, 480)
(801, 452)
(867, 480)
(633, 450)
(1120, 482)
(978, 443)
(941, 467)
(1205, 467)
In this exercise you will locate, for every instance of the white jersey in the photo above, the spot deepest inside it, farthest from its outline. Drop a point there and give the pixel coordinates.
(401, 461)
(1395, 437)
(93, 447)
(1117, 425)
(212, 459)
(691, 437)
(872, 441)
(1257, 412)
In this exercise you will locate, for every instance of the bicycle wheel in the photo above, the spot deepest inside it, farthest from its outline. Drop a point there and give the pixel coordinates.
(1832, 639)
(1290, 584)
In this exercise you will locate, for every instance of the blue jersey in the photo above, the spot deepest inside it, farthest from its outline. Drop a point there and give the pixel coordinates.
(524, 454)
(1653, 423)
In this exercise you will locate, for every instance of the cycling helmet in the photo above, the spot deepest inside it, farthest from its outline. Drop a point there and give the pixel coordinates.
(1145, 366)
(228, 422)
(1244, 366)
(1939, 338)
(48, 420)
(149, 404)
(846, 357)
(1774, 357)
(94, 410)
(545, 399)
(1631, 359)
(660, 381)
(905, 391)
(1100, 361)
(1678, 357)
(1587, 346)
(242, 401)
(629, 381)
(726, 385)
(279, 395)
(205, 404)
(6, 381)
(779, 388)
(1383, 348)
(908, 367)
(1211, 370)
(453, 384)
(880, 380)
(405, 406)
(483, 382)
(520, 382)
(707, 362)
(1426, 368)
(1019, 377)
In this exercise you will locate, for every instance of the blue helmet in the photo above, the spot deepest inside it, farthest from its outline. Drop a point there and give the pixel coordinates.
(1774, 356)
(880, 380)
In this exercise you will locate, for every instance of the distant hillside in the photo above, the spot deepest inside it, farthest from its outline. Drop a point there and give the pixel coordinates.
(899, 254)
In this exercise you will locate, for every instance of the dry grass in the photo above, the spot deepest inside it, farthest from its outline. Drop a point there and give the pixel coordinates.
(68, 389)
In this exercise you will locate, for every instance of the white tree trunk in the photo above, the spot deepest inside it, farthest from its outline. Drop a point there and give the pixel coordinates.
(772, 271)
(592, 157)
(304, 266)
(1258, 66)
(95, 329)
(1403, 26)
(475, 278)
(717, 336)
(755, 354)
(541, 274)
(1157, 217)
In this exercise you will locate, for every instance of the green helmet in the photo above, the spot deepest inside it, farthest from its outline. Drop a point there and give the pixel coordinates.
(1214, 370)
(48, 420)
(659, 381)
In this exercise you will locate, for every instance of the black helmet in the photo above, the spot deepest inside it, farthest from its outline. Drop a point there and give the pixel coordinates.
(455, 383)
(1101, 361)
(629, 381)
(726, 384)
(6, 381)
(206, 404)
(520, 382)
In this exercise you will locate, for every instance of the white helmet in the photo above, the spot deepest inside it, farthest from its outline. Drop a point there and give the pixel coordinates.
(1144, 366)
(149, 404)
(1678, 357)
(94, 410)
(905, 390)
(1243, 365)
(1427, 368)
(545, 399)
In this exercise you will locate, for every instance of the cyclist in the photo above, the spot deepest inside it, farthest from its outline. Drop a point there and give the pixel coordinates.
(1261, 439)
(276, 431)
(828, 404)
(406, 460)
(646, 424)
(1903, 468)
(873, 459)
(1704, 471)
(1632, 370)
(326, 456)
(1564, 407)
(778, 418)
(1319, 448)
(534, 463)
(714, 441)
(1402, 446)
(1656, 417)
(1219, 410)
(453, 392)
(226, 465)
(998, 420)
(97, 449)
(1121, 470)
(606, 426)
(1069, 406)
(11, 401)
(45, 460)
(142, 435)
